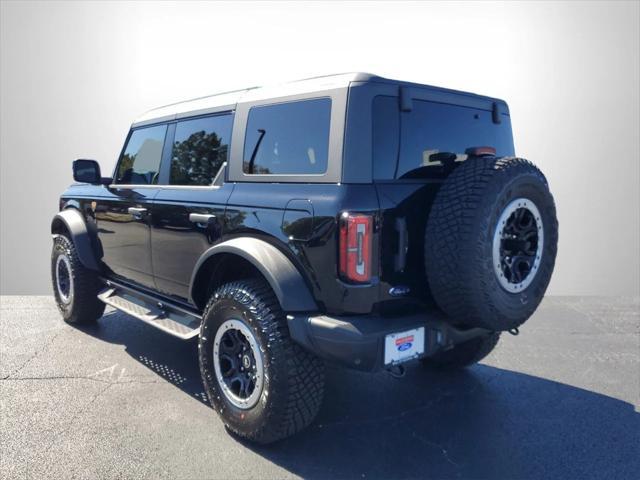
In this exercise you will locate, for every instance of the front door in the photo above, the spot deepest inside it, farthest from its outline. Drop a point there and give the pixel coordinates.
(188, 213)
(123, 216)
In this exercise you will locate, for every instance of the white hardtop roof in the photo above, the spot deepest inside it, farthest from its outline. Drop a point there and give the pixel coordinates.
(230, 99)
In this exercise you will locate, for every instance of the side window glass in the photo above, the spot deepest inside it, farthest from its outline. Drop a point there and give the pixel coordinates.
(386, 136)
(200, 148)
(140, 162)
(288, 138)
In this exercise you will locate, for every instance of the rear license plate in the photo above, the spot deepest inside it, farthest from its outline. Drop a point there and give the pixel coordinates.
(402, 346)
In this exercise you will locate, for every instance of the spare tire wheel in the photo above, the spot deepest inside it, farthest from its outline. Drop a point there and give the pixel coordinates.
(491, 242)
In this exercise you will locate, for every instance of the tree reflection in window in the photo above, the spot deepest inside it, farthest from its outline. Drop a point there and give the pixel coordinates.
(199, 150)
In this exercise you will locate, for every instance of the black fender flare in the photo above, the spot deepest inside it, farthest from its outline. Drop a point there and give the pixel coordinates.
(74, 223)
(281, 274)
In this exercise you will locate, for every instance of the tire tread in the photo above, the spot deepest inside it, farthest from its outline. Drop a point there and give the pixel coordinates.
(458, 229)
(86, 308)
(296, 407)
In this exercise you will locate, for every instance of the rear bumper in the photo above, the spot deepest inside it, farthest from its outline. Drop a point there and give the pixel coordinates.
(358, 341)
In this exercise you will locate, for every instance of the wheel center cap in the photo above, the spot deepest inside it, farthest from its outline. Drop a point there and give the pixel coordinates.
(246, 361)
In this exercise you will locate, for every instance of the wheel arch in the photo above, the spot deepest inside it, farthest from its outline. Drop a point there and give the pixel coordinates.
(71, 223)
(249, 256)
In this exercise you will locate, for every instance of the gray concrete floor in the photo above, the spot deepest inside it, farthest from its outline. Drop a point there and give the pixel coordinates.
(124, 400)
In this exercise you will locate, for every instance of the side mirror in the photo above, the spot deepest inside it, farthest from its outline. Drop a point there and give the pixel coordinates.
(86, 171)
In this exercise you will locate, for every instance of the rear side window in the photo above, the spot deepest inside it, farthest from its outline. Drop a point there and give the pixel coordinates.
(430, 132)
(140, 162)
(386, 136)
(200, 147)
(288, 138)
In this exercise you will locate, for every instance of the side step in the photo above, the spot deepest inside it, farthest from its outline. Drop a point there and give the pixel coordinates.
(171, 319)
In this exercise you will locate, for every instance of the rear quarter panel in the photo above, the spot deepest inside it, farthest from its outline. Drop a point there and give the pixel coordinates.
(258, 209)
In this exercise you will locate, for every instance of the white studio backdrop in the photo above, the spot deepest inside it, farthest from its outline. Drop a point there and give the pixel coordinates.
(75, 74)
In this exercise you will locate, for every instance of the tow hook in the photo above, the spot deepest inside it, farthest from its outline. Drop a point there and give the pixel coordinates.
(514, 331)
(396, 371)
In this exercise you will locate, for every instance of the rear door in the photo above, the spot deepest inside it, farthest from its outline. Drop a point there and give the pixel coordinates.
(188, 213)
(123, 215)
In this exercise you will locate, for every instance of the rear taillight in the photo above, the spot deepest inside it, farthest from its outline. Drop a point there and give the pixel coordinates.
(356, 233)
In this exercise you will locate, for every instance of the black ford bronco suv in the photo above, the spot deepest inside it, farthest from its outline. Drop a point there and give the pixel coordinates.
(351, 219)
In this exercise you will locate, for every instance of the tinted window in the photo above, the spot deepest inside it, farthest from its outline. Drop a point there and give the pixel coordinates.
(430, 132)
(200, 148)
(140, 162)
(386, 136)
(288, 138)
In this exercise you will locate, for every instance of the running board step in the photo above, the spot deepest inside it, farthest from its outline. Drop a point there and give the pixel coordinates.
(172, 320)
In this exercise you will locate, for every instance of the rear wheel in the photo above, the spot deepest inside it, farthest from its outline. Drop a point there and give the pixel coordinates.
(464, 354)
(75, 287)
(491, 242)
(264, 386)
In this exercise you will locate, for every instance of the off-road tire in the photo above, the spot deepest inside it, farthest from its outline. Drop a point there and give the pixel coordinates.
(83, 306)
(464, 354)
(293, 378)
(459, 242)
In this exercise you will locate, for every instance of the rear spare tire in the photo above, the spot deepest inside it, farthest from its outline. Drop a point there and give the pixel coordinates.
(491, 242)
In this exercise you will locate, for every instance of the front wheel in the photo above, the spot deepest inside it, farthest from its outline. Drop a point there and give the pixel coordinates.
(264, 386)
(75, 287)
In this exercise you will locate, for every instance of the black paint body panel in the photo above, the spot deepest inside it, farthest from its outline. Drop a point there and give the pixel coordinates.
(160, 249)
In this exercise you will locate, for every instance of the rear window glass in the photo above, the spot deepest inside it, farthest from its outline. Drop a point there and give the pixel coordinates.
(288, 138)
(200, 148)
(140, 162)
(429, 132)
